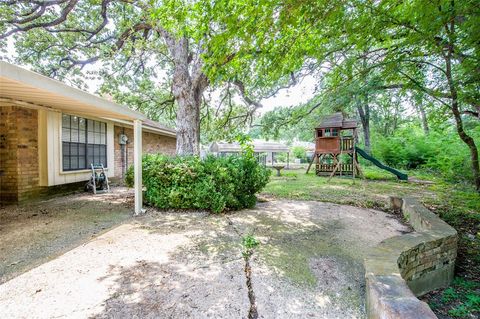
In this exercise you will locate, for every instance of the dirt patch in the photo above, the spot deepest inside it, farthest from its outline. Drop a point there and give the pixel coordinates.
(33, 233)
(310, 260)
(191, 265)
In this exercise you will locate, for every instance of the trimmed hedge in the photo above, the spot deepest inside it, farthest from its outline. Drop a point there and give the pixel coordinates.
(214, 183)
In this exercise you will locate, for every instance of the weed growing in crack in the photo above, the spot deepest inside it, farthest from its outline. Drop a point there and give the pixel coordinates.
(249, 243)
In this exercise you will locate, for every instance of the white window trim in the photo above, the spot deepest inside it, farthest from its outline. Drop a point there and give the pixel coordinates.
(60, 141)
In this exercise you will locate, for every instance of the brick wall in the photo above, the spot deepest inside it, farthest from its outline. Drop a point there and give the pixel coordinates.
(18, 153)
(151, 143)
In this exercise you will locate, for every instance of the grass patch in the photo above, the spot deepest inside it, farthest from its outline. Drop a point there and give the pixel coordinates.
(372, 192)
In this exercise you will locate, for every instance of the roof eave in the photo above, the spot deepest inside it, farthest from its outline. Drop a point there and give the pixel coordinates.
(27, 79)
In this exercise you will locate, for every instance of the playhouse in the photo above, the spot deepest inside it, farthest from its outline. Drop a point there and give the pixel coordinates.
(336, 152)
(335, 147)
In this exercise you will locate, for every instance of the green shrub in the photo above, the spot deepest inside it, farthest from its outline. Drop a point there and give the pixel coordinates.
(214, 183)
(300, 152)
(441, 151)
(129, 177)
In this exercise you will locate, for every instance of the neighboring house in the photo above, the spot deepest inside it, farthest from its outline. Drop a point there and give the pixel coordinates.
(265, 151)
(51, 132)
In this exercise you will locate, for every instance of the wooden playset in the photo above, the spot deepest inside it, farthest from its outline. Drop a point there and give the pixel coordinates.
(336, 152)
(335, 147)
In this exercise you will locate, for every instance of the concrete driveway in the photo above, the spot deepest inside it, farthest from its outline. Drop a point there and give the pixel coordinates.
(190, 265)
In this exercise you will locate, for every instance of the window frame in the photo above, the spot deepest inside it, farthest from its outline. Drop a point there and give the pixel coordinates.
(83, 153)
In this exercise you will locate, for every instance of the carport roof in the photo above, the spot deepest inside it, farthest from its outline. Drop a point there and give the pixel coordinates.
(19, 84)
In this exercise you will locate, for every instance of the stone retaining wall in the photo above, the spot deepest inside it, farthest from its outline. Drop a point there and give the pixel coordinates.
(410, 265)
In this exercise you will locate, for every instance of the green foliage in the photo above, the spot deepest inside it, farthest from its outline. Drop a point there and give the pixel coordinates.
(281, 157)
(462, 299)
(449, 294)
(441, 151)
(459, 311)
(214, 183)
(300, 153)
(250, 242)
(225, 122)
(129, 177)
(246, 145)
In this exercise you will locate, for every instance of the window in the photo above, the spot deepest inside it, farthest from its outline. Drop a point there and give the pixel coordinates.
(327, 132)
(319, 133)
(334, 132)
(83, 142)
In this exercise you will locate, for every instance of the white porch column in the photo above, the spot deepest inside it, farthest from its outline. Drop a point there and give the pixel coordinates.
(137, 162)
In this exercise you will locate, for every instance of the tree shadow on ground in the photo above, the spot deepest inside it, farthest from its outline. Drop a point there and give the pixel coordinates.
(155, 290)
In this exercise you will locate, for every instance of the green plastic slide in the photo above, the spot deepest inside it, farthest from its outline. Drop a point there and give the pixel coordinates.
(400, 175)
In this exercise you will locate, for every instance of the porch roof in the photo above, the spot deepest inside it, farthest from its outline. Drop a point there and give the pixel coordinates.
(19, 84)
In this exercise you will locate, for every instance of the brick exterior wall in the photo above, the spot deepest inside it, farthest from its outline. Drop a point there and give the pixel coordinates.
(19, 169)
(18, 153)
(151, 143)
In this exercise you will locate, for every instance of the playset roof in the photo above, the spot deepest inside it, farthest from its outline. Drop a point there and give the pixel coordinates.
(337, 120)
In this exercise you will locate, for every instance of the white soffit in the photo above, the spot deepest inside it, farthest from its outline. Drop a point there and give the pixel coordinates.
(19, 84)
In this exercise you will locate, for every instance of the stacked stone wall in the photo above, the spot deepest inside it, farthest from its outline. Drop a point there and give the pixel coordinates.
(403, 267)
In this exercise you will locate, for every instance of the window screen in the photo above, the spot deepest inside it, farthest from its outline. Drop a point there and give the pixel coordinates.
(84, 142)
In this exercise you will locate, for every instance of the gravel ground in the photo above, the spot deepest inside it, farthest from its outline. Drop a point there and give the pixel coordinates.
(190, 265)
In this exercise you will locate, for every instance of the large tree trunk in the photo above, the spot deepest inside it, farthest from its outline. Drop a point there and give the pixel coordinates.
(188, 85)
(188, 121)
(364, 113)
(467, 139)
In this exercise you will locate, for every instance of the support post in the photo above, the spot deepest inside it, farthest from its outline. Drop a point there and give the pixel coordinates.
(353, 163)
(137, 162)
(311, 162)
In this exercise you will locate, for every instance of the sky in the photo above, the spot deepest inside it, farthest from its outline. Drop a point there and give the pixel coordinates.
(295, 95)
(298, 94)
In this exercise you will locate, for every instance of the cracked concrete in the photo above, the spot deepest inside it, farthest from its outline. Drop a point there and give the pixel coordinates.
(190, 265)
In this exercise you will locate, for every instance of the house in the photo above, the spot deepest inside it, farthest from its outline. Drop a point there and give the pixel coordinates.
(265, 151)
(51, 132)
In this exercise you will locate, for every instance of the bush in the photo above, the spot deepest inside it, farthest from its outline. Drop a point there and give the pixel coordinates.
(441, 151)
(300, 152)
(215, 183)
